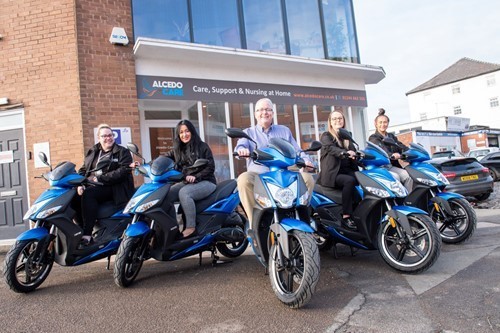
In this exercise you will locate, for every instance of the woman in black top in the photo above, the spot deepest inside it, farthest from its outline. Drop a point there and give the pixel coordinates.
(118, 185)
(338, 165)
(396, 167)
(198, 184)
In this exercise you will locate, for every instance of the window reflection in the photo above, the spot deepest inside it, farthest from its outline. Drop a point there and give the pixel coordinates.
(340, 32)
(162, 19)
(264, 25)
(215, 22)
(304, 28)
(214, 121)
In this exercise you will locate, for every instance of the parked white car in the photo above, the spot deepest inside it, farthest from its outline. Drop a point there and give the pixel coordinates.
(479, 153)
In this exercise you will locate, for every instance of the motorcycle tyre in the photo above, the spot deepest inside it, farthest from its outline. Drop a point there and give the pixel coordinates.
(432, 254)
(127, 263)
(311, 259)
(233, 249)
(471, 221)
(11, 267)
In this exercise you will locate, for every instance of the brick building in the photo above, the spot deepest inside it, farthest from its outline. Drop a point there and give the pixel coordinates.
(62, 77)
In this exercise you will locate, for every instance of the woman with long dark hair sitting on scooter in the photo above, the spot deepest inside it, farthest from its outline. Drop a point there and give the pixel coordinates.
(338, 165)
(198, 184)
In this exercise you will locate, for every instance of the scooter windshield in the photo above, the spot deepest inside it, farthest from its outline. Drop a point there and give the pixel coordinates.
(282, 146)
(161, 165)
(62, 170)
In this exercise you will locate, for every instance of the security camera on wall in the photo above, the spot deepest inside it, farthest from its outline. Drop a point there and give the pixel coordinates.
(118, 36)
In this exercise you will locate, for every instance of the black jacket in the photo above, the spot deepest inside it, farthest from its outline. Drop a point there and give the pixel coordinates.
(330, 160)
(377, 138)
(117, 174)
(201, 151)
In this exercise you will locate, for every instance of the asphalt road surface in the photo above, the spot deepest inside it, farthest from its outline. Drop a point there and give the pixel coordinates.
(360, 293)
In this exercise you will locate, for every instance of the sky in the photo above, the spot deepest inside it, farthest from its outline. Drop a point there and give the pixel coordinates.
(413, 41)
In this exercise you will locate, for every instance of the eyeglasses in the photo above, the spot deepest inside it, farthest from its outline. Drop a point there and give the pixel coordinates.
(336, 119)
(263, 110)
(106, 136)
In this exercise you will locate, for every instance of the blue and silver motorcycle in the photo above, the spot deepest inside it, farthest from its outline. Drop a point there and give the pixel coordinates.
(55, 236)
(282, 238)
(453, 214)
(154, 231)
(405, 237)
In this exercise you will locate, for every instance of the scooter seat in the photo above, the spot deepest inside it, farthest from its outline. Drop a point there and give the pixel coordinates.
(108, 208)
(223, 190)
(331, 193)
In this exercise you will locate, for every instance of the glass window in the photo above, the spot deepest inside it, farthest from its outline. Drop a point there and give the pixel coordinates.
(286, 118)
(457, 110)
(494, 102)
(490, 81)
(340, 30)
(264, 25)
(455, 89)
(306, 125)
(162, 19)
(214, 120)
(304, 29)
(240, 118)
(215, 22)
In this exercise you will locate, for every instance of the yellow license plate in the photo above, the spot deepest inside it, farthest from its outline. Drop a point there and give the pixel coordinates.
(467, 178)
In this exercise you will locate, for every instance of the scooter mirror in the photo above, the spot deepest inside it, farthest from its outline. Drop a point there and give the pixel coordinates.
(346, 135)
(315, 146)
(43, 158)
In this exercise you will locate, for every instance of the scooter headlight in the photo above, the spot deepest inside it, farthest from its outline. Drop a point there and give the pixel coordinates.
(47, 212)
(264, 201)
(284, 197)
(442, 178)
(304, 199)
(395, 187)
(133, 202)
(34, 208)
(145, 206)
(426, 181)
(378, 192)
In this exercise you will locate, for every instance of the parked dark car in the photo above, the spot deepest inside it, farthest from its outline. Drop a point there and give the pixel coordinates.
(466, 176)
(447, 153)
(492, 162)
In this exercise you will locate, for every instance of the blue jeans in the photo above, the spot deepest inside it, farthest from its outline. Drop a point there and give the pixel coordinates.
(187, 194)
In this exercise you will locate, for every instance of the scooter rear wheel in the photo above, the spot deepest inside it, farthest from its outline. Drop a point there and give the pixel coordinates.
(294, 278)
(23, 271)
(233, 249)
(128, 261)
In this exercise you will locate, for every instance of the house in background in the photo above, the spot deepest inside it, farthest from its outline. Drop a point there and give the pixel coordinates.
(457, 109)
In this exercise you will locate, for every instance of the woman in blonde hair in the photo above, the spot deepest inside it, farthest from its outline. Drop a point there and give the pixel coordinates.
(338, 165)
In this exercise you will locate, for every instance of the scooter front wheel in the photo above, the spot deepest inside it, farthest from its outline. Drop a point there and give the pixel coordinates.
(294, 276)
(410, 253)
(24, 268)
(128, 261)
(459, 227)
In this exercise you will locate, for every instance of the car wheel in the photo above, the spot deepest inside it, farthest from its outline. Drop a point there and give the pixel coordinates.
(493, 175)
(482, 197)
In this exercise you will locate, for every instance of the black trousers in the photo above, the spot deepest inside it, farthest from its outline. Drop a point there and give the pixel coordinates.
(347, 183)
(92, 197)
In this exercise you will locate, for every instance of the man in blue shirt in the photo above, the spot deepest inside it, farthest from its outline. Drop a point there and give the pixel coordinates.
(261, 133)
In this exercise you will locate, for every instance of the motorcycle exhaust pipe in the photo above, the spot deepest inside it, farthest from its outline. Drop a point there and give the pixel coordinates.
(230, 235)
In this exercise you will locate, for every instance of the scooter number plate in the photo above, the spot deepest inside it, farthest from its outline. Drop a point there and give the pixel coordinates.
(467, 178)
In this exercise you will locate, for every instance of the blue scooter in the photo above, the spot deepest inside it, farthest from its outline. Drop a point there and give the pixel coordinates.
(154, 231)
(55, 237)
(453, 214)
(281, 237)
(405, 237)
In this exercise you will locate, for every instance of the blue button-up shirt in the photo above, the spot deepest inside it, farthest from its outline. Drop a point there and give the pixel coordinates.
(262, 137)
